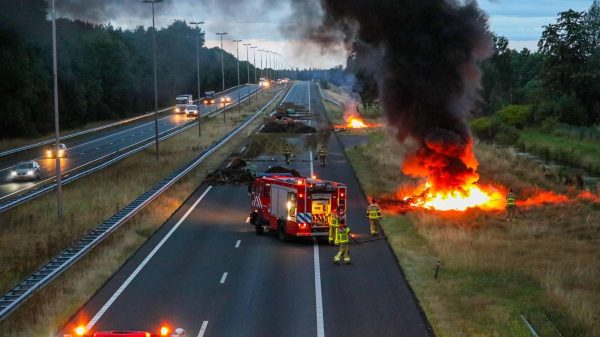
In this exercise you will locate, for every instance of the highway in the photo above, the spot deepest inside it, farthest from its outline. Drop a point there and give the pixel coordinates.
(207, 271)
(86, 149)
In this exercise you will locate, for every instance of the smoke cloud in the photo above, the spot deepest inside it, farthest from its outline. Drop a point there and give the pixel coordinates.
(424, 55)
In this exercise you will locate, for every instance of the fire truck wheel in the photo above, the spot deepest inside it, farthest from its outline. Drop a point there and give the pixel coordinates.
(283, 236)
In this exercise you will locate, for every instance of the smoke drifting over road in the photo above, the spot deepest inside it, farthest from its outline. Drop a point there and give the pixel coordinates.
(424, 55)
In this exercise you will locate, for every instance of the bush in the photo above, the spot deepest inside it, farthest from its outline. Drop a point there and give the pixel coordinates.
(517, 116)
(484, 127)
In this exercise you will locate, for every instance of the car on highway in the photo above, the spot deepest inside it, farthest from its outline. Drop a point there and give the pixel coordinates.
(60, 151)
(209, 97)
(225, 99)
(191, 110)
(29, 170)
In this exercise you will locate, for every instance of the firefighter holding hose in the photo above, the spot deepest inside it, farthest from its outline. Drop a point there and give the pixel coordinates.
(343, 237)
(374, 215)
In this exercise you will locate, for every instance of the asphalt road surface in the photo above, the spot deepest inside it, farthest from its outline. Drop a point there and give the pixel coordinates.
(84, 150)
(207, 271)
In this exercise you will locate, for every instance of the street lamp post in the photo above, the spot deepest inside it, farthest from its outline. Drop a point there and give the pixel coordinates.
(56, 117)
(152, 2)
(254, 51)
(223, 74)
(197, 24)
(248, 68)
(237, 48)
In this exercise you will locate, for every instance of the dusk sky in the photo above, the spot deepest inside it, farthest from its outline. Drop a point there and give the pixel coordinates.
(258, 22)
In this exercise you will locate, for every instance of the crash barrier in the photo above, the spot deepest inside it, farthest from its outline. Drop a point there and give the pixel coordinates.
(100, 128)
(44, 187)
(60, 263)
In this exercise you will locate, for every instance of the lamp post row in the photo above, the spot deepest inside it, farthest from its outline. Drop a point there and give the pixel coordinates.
(197, 24)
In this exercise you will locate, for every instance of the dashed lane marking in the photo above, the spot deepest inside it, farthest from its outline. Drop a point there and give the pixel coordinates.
(119, 291)
(237, 244)
(203, 329)
(224, 277)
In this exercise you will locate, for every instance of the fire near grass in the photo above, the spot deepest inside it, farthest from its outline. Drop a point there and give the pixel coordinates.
(545, 263)
(31, 235)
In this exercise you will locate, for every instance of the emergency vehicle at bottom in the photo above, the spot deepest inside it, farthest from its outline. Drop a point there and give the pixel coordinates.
(80, 331)
(295, 206)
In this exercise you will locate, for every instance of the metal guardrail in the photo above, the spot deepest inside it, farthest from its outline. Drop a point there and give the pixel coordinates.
(38, 191)
(327, 98)
(34, 282)
(100, 128)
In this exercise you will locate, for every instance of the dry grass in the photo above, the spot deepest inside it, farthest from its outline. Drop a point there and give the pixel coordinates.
(89, 202)
(492, 271)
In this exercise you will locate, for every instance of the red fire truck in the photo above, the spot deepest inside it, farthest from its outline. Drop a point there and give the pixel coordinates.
(295, 206)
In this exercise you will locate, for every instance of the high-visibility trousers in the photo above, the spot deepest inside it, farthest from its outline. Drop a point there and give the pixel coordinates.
(344, 253)
(333, 234)
(374, 223)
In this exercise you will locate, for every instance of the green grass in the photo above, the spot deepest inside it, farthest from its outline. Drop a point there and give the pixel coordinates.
(582, 153)
(494, 271)
(31, 232)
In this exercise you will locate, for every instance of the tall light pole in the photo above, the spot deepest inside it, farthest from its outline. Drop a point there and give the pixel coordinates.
(261, 62)
(155, 86)
(56, 117)
(222, 73)
(254, 50)
(197, 24)
(237, 48)
(248, 67)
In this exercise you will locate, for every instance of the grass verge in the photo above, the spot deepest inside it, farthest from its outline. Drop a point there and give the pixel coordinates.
(492, 271)
(89, 202)
(574, 152)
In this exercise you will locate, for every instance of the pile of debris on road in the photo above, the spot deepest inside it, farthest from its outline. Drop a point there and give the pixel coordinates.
(287, 127)
(281, 169)
(237, 172)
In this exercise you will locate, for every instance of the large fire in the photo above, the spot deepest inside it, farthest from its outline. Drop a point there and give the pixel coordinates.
(355, 122)
(460, 199)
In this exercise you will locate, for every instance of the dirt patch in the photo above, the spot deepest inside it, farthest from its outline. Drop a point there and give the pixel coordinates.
(297, 127)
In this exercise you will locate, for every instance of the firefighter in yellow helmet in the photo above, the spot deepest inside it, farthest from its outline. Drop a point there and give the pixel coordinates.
(374, 215)
(287, 153)
(344, 240)
(511, 205)
(322, 155)
(334, 224)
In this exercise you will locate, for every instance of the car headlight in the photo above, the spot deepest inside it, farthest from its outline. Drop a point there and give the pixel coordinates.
(30, 172)
(61, 152)
(49, 153)
(13, 173)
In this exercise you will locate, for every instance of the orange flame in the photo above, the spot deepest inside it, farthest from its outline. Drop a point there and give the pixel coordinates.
(470, 196)
(355, 122)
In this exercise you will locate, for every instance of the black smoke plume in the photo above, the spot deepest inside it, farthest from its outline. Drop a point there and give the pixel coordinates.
(424, 55)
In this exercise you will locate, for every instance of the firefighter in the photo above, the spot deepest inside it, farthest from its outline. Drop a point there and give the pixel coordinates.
(322, 155)
(287, 153)
(343, 238)
(374, 215)
(511, 205)
(334, 224)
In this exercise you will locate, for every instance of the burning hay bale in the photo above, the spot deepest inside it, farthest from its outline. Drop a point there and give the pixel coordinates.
(293, 127)
(237, 172)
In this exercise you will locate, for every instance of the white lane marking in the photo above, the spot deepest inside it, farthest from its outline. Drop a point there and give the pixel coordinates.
(203, 329)
(318, 294)
(137, 270)
(82, 153)
(122, 138)
(97, 148)
(309, 119)
(237, 244)
(224, 277)
(110, 143)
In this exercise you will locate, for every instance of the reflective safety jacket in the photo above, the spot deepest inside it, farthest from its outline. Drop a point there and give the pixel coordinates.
(373, 211)
(287, 150)
(344, 235)
(322, 152)
(511, 199)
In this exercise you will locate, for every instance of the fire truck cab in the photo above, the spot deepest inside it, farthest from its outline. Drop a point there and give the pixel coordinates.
(295, 206)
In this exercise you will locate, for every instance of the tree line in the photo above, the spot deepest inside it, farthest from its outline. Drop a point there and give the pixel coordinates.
(103, 72)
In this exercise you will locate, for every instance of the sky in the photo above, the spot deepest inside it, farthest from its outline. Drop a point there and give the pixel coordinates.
(258, 22)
